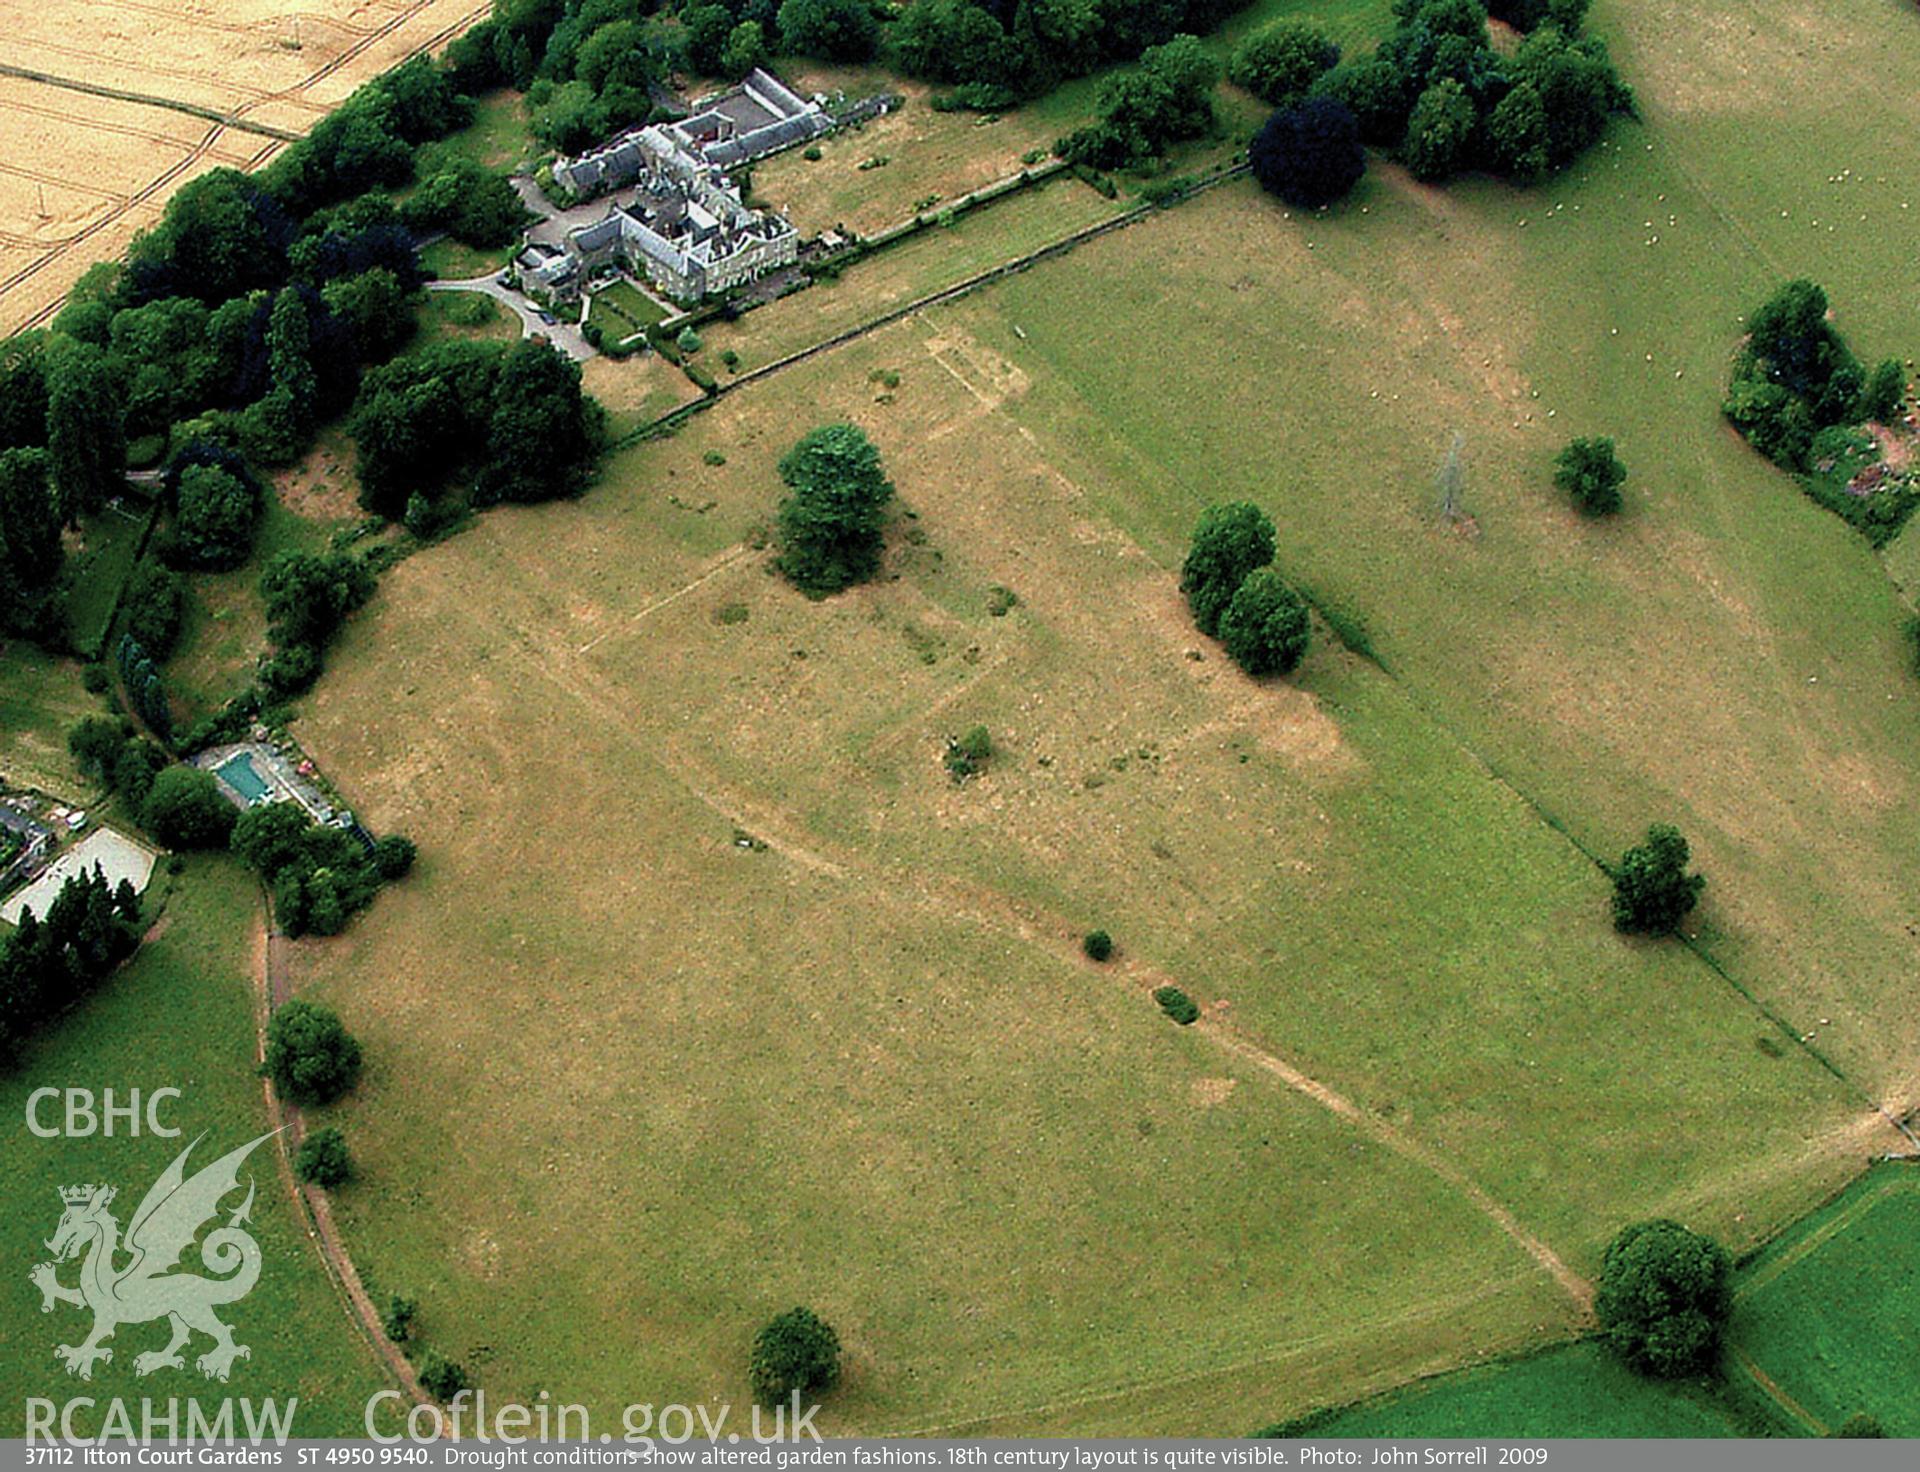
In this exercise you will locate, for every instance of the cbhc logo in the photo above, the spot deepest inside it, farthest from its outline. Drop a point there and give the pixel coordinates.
(81, 1114)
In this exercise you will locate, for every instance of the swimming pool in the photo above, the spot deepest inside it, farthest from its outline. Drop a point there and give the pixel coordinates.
(238, 773)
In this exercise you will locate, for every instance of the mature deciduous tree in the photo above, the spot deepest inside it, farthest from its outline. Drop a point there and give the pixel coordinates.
(1265, 628)
(831, 519)
(1652, 890)
(1664, 1297)
(310, 1055)
(1309, 154)
(1229, 542)
(796, 1351)
(1590, 472)
(1280, 61)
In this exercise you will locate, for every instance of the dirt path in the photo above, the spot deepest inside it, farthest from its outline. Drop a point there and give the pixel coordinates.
(270, 990)
(1777, 1395)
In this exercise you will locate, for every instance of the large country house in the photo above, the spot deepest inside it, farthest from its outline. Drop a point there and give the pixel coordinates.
(675, 217)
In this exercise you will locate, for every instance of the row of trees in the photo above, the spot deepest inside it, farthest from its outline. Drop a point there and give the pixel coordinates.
(48, 963)
(31, 555)
(1237, 597)
(999, 51)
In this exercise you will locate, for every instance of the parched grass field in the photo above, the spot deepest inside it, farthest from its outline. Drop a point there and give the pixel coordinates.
(942, 256)
(180, 1015)
(637, 390)
(87, 172)
(40, 698)
(928, 153)
(713, 994)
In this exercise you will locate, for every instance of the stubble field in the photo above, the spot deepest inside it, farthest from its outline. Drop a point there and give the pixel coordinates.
(109, 107)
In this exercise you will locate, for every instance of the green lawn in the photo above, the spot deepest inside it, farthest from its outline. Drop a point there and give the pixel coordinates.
(497, 138)
(465, 314)
(225, 629)
(1825, 1312)
(1577, 1390)
(450, 260)
(1828, 1309)
(629, 306)
(99, 570)
(180, 1016)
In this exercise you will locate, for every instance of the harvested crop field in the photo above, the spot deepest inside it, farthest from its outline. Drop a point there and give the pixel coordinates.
(145, 96)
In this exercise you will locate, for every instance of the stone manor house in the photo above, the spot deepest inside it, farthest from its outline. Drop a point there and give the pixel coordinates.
(675, 217)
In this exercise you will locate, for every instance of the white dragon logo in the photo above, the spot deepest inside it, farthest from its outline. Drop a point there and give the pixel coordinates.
(163, 1227)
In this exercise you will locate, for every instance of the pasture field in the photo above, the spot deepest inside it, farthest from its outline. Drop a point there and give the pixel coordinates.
(1827, 1310)
(180, 1015)
(1571, 1390)
(194, 83)
(916, 943)
(712, 993)
(1725, 656)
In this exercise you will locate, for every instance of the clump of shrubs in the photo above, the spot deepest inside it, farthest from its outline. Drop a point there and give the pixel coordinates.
(441, 1377)
(1796, 376)
(111, 753)
(397, 1319)
(968, 753)
(1098, 945)
(322, 1159)
(797, 1352)
(1177, 1005)
(319, 876)
(1145, 108)
(1590, 472)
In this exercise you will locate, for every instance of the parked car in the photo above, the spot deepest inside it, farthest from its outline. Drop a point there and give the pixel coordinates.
(546, 317)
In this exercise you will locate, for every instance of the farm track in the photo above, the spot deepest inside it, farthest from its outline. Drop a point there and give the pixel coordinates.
(144, 99)
(311, 1203)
